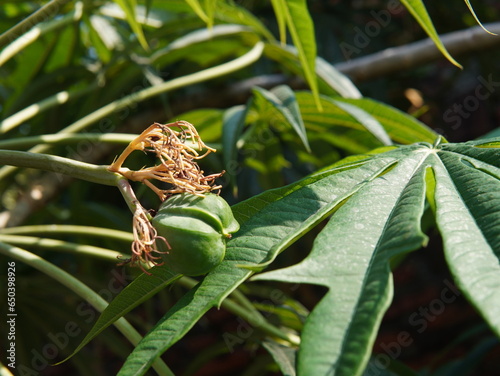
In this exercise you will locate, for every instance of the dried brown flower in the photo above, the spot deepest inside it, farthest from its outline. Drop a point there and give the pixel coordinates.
(175, 145)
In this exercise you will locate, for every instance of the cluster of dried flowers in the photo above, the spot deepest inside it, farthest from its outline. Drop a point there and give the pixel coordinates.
(176, 147)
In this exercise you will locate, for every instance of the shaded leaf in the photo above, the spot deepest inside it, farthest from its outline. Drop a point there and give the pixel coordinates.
(129, 7)
(281, 105)
(283, 356)
(330, 80)
(233, 124)
(198, 9)
(138, 291)
(369, 122)
(336, 79)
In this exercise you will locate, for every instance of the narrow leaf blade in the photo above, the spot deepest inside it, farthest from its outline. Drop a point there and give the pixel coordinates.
(301, 29)
(139, 290)
(129, 7)
(417, 9)
(468, 215)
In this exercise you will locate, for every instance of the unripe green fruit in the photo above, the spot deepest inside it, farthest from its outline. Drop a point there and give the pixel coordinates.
(196, 228)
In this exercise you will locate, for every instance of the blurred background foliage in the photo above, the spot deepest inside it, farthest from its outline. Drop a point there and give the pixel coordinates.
(95, 57)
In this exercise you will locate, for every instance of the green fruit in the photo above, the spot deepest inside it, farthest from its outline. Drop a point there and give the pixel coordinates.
(196, 228)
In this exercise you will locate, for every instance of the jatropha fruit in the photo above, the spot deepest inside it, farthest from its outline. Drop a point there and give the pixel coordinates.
(190, 229)
(196, 229)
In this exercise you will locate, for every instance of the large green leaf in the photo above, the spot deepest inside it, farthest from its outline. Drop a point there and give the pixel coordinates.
(352, 253)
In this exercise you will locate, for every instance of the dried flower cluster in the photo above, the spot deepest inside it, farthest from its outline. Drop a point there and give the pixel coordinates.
(175, 146)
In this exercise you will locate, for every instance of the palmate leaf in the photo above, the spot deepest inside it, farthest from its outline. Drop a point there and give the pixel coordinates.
(352, 253)
(375, 203)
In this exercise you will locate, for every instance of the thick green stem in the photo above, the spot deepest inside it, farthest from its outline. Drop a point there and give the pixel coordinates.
(80, 289)
(60, 165)
(67, 138)
(36, 108)
(60, 245)
(69, 229)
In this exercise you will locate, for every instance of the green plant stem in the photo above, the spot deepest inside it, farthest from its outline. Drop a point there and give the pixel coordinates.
(60, 245)
(249, 315)
(60, 165)
(67, 138)
(36, 108)
(26, 38)
(69, 229)
(75, 138)
(81, 290)
(129, 196)
(130, 100)
(176, 83)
